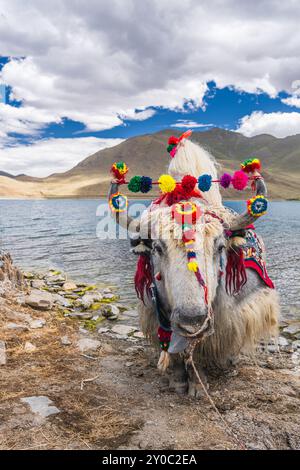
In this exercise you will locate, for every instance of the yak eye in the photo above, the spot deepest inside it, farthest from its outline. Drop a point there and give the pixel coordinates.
(157, 249)
(221, 248)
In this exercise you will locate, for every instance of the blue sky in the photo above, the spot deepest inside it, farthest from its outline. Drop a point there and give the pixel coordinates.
(81, 80)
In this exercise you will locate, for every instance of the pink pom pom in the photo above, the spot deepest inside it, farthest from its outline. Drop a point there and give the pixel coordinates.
(239, 180)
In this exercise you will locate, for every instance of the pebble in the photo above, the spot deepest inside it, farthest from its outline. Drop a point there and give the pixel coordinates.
(291, 330)
(29, 347)
(88, 344)
(123, 330)
(60, 300)
(103, 330)
(69, 285)
(38, 323)
(139, 334)
(65, 341)
(41, 405)
(38, 284)
(110, 311)
(2, 353)
(16, 326)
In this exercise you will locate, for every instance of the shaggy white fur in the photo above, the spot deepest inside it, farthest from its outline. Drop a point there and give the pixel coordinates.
(239, 326)
(191, 159)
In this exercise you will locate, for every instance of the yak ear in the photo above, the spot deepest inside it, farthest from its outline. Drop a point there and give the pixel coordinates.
(140, 246)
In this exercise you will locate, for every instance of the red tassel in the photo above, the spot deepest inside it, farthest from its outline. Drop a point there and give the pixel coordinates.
(143, 276)
(236, 276)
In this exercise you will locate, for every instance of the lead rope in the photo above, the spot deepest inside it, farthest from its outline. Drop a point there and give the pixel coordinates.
(190, 361)
(206, 330)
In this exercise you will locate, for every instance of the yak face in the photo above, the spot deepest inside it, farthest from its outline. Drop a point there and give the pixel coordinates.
(181, 295)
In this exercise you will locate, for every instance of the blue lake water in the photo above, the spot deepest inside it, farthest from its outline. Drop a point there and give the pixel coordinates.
(61, 233)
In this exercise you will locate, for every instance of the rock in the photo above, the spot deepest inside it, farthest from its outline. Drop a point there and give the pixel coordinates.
(107, 348)
(28, 275)
(60, 300)
(37, 323)
(110, 311)
(108, 296)
(103, 330)
(282, 341)
(69, 286)
(38, 284)
(123, 330)
(87, 300)
(41, 405)
(40, 299)
(88, 344)
(65, 341)
(29, 347)
(131, 313)
(2, 353)
(296, 344)
(16, 326)
(56, 280)
(291, 330)
(139, 334)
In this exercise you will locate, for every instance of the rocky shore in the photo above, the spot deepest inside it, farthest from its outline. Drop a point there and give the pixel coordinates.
(76, 373)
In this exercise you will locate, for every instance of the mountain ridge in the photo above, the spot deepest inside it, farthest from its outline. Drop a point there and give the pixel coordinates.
(146, 154)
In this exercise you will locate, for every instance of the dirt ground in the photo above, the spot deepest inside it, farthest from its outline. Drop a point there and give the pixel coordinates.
(126, 405)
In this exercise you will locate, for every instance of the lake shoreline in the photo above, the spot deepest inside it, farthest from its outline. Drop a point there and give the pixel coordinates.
(78, 385)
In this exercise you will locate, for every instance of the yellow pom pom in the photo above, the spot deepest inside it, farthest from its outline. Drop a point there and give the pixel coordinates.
(193, 266)
(166, 183)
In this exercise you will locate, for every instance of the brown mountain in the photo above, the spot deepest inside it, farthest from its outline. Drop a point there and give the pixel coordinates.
(147, 155)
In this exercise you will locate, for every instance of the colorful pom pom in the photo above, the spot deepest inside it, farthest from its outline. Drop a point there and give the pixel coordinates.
(119, 170)
(134, 184)
(173, 151)
(257, 206)
(118, 202)
(170, 147)
(204, 183)
(225, 180)
(166, 183)
(173, 140)
(193, 266)
(188, 183)
(250, 165)
(239, 180)
(146, 184)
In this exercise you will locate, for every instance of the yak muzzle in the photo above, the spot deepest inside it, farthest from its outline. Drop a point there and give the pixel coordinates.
(188, 320)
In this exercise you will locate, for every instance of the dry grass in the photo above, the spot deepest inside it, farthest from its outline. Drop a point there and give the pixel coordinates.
(87, 418)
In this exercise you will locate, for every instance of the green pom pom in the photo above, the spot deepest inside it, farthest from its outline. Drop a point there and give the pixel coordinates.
(134, 184)
(170, 147)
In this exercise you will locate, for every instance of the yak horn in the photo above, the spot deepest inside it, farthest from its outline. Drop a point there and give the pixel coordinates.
(243, 220)
(122, 218)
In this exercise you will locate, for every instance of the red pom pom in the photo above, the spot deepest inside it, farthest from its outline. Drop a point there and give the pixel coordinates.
(188, 183)
(173, 140)
(239, 180)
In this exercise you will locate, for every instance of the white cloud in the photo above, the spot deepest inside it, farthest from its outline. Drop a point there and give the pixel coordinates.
(190, 124)
(276, 124)
(50, 155)
(138, 115)
(292, 101)
(94, 64)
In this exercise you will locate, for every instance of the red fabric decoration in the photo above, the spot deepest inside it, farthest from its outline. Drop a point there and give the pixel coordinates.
(163, 335)
(236, 276)
(239, 180)
(188, 183)
(143, 276)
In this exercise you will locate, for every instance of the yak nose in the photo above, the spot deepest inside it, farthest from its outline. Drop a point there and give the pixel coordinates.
(190, 317)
